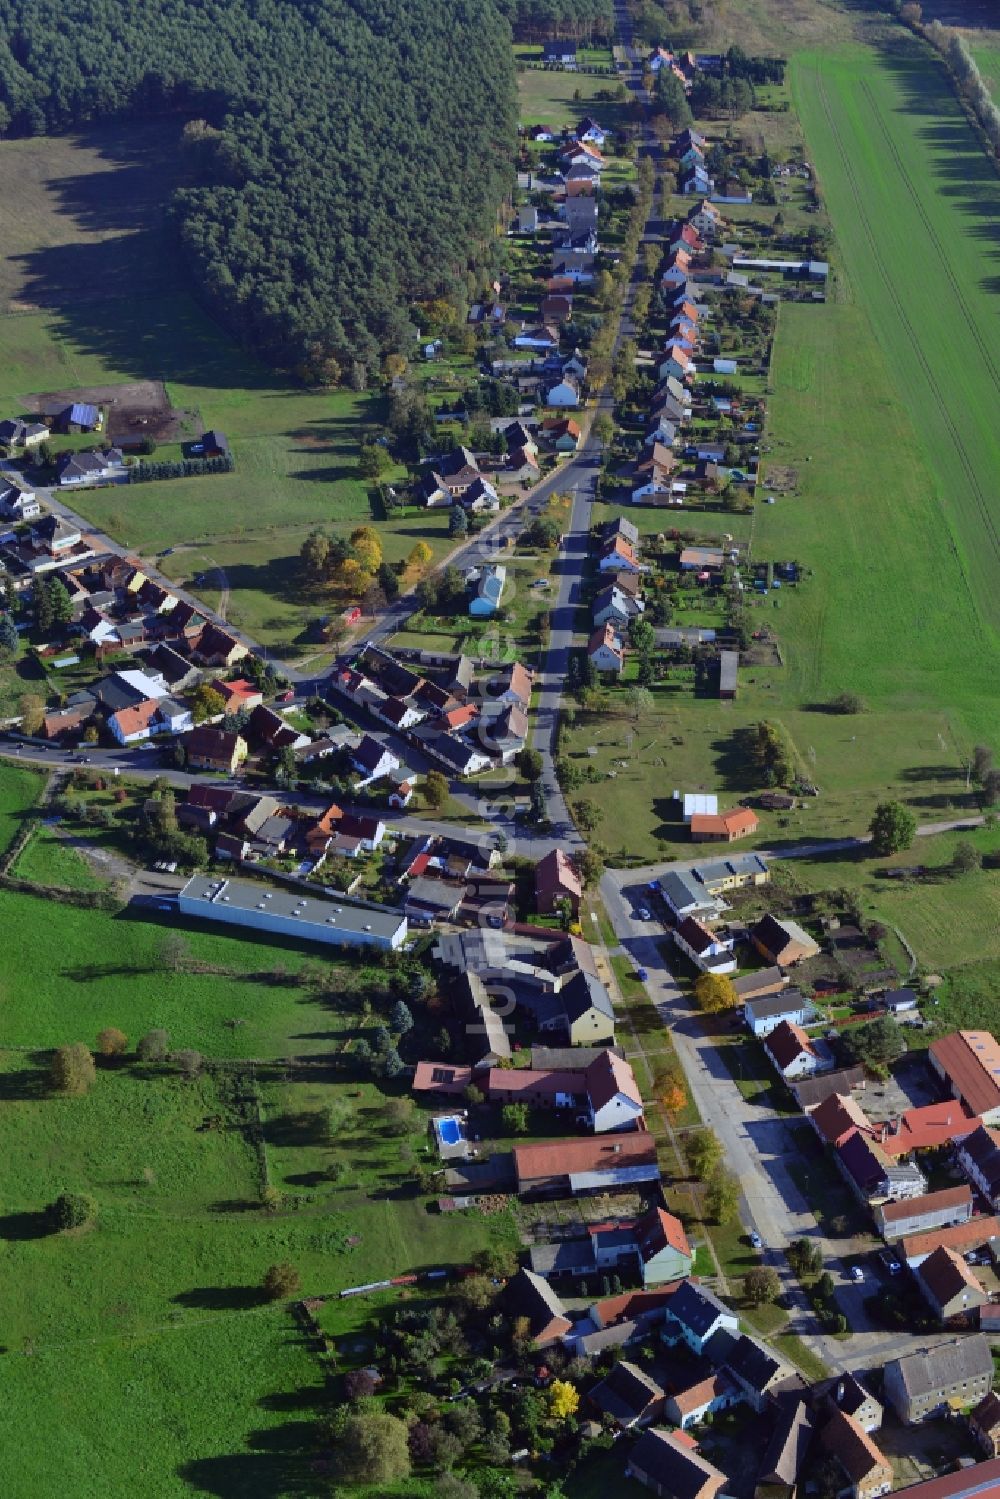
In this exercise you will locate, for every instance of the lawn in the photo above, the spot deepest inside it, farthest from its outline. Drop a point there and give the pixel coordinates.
(561, 99)
(50, 859)
(20, 789)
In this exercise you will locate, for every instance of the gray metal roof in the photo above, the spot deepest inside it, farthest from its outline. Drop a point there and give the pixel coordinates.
(313, 910)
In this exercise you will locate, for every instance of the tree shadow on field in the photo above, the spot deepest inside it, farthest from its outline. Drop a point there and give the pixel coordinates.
(26, 1082)
(222, 1298)
(27, 1225)
(258, 1475)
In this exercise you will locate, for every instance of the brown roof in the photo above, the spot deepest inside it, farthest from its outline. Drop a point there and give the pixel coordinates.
(695, 934)
(853, 1448)
(607, 1075)
(945, 1275)
(139, 716)
(660, 1230)
(971, 1062)
(519, 680)
(961, 1236)
(836, 1116)
(948, 1197)
(786, 1042)
(739, 821)
(569, 1157)
(205, 742)
(556, 871)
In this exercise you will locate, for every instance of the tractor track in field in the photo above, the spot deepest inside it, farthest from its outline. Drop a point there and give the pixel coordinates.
(932, 235)
(988, 522)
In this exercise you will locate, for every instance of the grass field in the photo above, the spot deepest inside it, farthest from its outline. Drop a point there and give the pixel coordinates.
(547, 98)
(93, 293)
(923, 278)
(20, 789)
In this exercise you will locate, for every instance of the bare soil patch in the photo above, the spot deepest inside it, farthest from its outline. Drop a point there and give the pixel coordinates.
(137, 409)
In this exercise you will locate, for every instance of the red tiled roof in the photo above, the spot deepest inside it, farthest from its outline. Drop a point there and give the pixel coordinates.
(961, 1236)
(556, 871)
(786, 1042)
(945, 1274)
(928, 1127)
(661, 1230)
(702, 1393)
(569, 1157)
(836, 1116)
(139, 716)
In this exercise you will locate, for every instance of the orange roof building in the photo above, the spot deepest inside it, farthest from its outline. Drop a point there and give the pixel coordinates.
(726, 827)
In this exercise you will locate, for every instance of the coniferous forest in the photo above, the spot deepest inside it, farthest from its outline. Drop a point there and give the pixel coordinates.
(348, 156)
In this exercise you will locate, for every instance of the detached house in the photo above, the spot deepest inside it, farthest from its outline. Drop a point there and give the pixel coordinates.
(605, 651)
(763, 1014)
(979, 1158)
(629, 1395)
(792, 1053)
(783, 942)
(695, 1315)
(667, 1465)
(372, 761)
(950, 1286)
(214, 749)
(710, 953)
(952, 1375)
(866, 1468)
(556, 880)
(530, 1296)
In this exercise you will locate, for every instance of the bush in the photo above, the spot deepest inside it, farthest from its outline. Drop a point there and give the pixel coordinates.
(281, 1281)
(72, 1210)
(154, 1046)
(72, 1070)
(112, 1042)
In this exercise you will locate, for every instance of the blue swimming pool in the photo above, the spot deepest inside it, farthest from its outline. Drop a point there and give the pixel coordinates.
(449, 1131)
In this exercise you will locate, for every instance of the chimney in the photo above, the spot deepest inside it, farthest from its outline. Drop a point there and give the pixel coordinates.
(840, 1392)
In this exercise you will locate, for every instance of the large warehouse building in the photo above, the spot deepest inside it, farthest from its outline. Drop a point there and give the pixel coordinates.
(312, 917)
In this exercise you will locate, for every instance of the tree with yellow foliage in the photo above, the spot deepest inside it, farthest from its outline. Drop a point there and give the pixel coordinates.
(564, 1399)
(715, 992)
(419, 558)
(670, 1089)
(367, 548)
(352, 577)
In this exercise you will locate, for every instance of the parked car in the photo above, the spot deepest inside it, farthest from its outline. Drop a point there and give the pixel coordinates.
(644, 913)
(857, 1274)
(756, 1242)
(641, 975)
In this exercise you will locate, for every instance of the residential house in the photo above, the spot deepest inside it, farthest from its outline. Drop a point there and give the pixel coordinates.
(705, 219)
(217, 647)
(785, 1454)
(15, 433)
(846, 1393)
(78, 469)
(782, 942)
(320, 833)
(630, 1396)
(984, 1424)
(704, 1396)
(480, 498)
(18, 504)
(611, 604)
(563, 54)
(212, 444)
(565, 392)
(810, 1091)
(527, 220)
(563, 433)
(580, 214)
(214, 749)
(932, 1380)
(920, 1215)
(455, 472)
(666, 1464)
(963, 1238)
(695, 1314)
(686, 896)
(522, 466)
(590, 131)
(866, 1468)
(755, 1368)
(968, 1063)
(979, 1158)
(530, 1296)
(763, 1014)
(729, 662)
(792, 1053)
(556, 309)
(662, 1247)
(762, 983)
(489, 590)
(556, 880)
(54, 535)
(240, 696)
(950, 1286)
(587, 1014)
(176, 670)
(834, 1119)
(269, 730)
(605, 650)
(559, 1168)
(709, 953)
(63, 721)
(871, 1175)
(619, 555)
(537, 337)
(725, 827)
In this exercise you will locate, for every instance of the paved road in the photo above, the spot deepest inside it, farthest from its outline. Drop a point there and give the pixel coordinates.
(758, 1146)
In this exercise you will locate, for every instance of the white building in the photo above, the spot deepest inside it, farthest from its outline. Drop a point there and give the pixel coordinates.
(312, 917)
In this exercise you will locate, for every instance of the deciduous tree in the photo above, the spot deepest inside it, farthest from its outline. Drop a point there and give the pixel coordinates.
(280, 1281)
(892, 828)
(714, 992)
(72, 1071)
